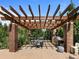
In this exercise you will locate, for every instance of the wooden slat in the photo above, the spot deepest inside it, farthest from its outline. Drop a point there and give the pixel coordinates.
(5, 10)
(34, 27)
(65, 11)
(12, 20)
(73, 11)
(52, 25)
(9, 13)
(42, 23)
(47, 14)
(39, 14)
(55, 26)
(57, 18)
(31, 11)
(13, 10)
(21, 9)
(56, 11)
(58, 8)
(73, 17)
(69, 6)
(32, 14)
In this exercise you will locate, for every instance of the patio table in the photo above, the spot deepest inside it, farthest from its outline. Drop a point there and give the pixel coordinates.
(37, 43)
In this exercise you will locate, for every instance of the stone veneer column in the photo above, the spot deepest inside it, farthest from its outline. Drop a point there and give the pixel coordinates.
(13, 38)
(68, 36)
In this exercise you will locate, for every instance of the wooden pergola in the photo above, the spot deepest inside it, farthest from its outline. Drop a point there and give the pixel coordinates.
(38, 22)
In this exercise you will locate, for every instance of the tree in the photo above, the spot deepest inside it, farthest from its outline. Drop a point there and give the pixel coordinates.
(72, 6)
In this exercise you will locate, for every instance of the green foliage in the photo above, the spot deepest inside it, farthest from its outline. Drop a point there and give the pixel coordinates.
(39, 33)
(47, 34)
(3, 36)
(22, 36)
(76, 31)
(60, 32)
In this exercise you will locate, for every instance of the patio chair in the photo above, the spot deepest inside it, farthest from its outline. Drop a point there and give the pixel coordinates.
(75, 49)
(38, 44)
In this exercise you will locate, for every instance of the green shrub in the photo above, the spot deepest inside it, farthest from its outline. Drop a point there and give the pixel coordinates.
(22, 36)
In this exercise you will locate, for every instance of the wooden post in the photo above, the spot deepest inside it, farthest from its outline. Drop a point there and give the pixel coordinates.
(68, 36)
(13, 44)
(53, 35)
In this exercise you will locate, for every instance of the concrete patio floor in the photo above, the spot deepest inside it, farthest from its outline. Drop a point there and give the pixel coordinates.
(27, 52)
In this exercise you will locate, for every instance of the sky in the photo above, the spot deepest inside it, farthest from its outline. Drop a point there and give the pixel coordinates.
(34, 5)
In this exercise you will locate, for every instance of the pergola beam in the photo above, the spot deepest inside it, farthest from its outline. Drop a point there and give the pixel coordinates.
(56, 11)
(65, 11)
(73, 17)
(21, 9)
(13, 10)
(57, 18)
(73, 12)
(5, 10)
(64, 18)
(30, 9)
(47, 14)
(58, 8)
(39, 14)
(7, 17)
